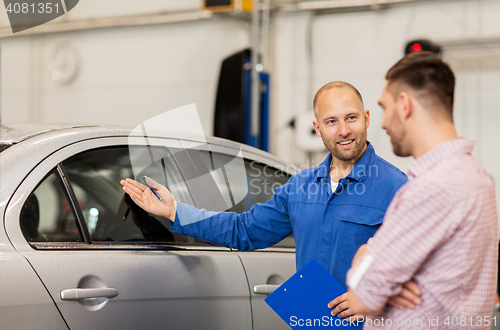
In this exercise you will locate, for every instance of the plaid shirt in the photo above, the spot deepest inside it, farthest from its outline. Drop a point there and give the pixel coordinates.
(440, 231)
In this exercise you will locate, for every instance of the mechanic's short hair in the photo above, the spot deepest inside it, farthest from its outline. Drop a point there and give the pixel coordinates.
(331, 85)
(425, 73)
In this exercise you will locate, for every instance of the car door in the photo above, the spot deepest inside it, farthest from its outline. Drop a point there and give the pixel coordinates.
(24, 302)
(265, 269)
(107, 271)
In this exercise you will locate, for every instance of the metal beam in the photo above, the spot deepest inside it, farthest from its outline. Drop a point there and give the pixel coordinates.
(255, 93)
(189, 16)
(343, 5)
(110, 22)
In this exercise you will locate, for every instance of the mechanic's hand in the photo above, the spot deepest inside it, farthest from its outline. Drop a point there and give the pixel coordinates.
(409, 297)
(144, 197)
(342, 307)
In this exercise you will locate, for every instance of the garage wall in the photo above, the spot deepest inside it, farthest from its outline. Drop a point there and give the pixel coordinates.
(111, 8)
(125, 76)
(130, 74)
(359, 47)
(92, 9)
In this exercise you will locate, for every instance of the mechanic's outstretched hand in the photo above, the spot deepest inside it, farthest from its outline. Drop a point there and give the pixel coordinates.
(144, 197)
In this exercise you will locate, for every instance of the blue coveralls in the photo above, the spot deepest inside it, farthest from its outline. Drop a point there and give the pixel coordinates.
(327, 226)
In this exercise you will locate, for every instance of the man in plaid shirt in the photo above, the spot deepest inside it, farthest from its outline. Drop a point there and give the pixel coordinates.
(440, 230)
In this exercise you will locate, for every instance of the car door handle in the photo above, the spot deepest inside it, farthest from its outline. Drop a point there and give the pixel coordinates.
(78, 294)
(265, 288)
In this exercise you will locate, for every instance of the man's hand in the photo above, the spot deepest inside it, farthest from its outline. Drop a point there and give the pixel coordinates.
(357, 306)
(409, 297)
(144, 197)
(342, 307)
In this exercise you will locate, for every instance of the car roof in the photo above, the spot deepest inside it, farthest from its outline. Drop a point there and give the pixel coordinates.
(12, 134)
(15, 133)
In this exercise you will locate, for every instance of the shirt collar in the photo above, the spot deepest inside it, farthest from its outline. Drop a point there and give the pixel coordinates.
(438, 153)
(359, 170)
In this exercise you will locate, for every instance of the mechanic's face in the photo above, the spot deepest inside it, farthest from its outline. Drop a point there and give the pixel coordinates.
(341, 123)
(393, 124)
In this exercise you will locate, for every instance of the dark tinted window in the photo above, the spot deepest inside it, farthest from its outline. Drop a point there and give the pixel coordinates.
(261, 180)
(46, 215)
(4, 146)
(95, 177)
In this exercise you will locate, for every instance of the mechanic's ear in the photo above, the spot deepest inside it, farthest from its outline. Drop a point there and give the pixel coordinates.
(316, 128)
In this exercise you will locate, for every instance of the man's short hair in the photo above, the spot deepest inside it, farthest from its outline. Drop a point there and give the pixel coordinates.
(427, 75)
(331, 85)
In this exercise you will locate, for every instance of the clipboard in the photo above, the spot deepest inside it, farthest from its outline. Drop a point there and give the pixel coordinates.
(302, 301)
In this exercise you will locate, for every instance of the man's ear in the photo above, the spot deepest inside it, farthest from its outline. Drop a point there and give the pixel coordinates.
(367, 117)
(316, 128)
(405, 106)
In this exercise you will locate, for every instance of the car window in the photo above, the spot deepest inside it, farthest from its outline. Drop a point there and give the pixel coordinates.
(95, 177)
(46, 215)
(4, 146)
(261, 181)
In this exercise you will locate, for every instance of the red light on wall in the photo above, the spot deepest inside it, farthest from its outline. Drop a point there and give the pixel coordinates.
(421, 45)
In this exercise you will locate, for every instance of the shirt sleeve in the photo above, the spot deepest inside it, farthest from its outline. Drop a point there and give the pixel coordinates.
(264, 225)
(418, 223)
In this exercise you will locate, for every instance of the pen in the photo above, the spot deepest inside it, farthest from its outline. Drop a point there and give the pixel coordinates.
(152, 189)
(126, 213)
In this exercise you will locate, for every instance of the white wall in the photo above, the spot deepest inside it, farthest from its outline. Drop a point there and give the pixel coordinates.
(359, 47)
(109, 8)
(130, 74)
(90, 9)
(127, 75)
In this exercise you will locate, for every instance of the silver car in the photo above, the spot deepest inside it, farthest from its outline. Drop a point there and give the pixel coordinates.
(71, 259)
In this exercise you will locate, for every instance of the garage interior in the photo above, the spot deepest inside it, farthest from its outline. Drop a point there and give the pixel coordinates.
(122, 63)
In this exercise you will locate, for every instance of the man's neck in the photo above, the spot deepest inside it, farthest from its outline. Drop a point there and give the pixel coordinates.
(339, 169)
(432, 137)
(339, 172)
